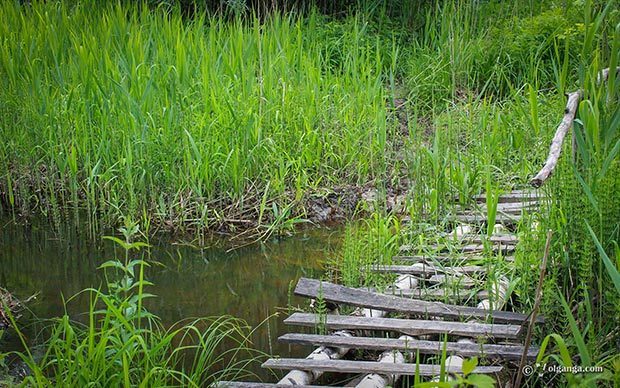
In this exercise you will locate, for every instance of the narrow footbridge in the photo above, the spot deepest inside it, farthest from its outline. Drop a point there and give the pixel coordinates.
(441, 303)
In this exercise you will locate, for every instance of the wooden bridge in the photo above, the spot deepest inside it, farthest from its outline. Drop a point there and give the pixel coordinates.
(411, 317)
(405, 322)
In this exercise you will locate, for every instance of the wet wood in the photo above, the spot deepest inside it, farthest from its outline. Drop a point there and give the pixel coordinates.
(427, 269)
(492, 351)
(340, 294)
(406, 326)
(345, 366)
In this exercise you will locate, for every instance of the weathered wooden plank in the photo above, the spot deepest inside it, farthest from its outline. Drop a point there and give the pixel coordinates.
(467, 248)
(453, 280)
(340, 294)
(469, 217)
(504, 239)
(345, 366)
(451, 293)
(427, 269)
(406, 326)
(507, 352)
(515, 196)
(441, 259)
(248, 384)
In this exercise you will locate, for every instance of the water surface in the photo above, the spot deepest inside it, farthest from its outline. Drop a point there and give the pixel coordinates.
(249, 283)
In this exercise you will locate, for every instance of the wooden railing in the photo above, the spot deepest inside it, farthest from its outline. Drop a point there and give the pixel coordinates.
(572, 104)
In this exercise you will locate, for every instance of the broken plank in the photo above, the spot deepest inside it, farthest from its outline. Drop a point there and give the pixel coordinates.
(492, 351)
(504, 239)
(427, 269)
(345, 366)
(313, 288)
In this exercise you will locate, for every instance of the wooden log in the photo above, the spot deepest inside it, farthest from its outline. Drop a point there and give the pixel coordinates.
(345, 366)
(465, 349)
(426, 269)
(407, 326)
(305, 377)
(340, 294)
(558, 139)
(555, 149)
(375, 380)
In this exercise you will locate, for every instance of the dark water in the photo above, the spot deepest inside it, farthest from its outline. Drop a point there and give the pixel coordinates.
(248, 283)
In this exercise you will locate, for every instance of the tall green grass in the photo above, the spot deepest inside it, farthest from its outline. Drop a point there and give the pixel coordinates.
(124, 110)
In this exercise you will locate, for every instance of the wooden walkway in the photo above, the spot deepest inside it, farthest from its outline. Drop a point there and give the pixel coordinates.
(441, 301)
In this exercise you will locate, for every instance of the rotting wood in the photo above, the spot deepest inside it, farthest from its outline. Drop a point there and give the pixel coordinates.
(491, 351)
(555, 148)
(340, 294)
(407, 326)
(345, 366)
(426, 269)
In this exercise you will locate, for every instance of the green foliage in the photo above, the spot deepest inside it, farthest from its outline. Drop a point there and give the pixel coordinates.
(122, 344)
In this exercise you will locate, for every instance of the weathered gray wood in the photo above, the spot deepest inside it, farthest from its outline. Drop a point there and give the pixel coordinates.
(247, 384)
(508, 352)
(340, 294)
(453, 280)
(427, 269)
(467, 248)
(477, 218)
(514, 196)
(570, 111)
(441, 259)
(504, 239)
(451, 293)
(345, 366)
(406, 326)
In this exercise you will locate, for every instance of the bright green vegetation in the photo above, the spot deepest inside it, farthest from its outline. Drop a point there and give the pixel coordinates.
(205, 122)
(118, 342)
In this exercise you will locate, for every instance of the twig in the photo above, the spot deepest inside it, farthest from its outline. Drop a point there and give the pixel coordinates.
(530, 328)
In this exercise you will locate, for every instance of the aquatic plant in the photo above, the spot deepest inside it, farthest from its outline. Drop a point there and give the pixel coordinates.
(120, 343)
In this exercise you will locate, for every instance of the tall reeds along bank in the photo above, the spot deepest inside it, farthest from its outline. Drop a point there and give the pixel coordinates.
(583, 286)
(119, 343)
(120, 110)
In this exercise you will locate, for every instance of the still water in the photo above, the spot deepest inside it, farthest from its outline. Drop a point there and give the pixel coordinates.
(250, 283)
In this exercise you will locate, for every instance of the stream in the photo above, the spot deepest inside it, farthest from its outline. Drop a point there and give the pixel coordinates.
(250, 283)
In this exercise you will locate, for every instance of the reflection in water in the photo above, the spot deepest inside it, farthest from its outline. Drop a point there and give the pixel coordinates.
(249, 283)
